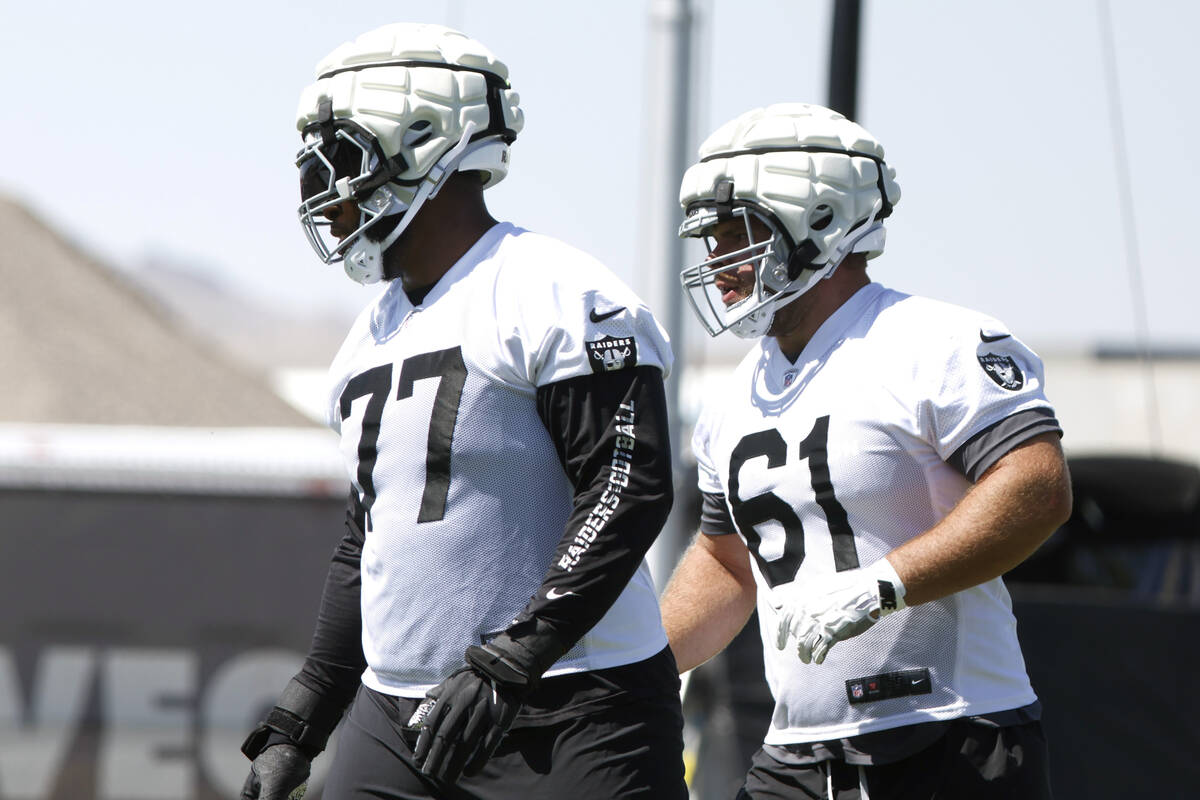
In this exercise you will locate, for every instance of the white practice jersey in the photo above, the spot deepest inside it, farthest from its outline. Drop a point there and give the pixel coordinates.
(466, 497)
(833, 461)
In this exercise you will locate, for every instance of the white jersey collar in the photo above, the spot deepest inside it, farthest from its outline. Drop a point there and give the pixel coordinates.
(784, 374)
(393, 306)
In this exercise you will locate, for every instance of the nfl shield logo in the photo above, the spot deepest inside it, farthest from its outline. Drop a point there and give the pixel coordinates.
(856, 690)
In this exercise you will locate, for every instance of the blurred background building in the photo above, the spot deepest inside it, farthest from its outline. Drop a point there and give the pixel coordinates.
(166, 521)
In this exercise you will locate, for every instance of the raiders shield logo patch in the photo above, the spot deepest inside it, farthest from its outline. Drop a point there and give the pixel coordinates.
(1003, 370)
(610, 354)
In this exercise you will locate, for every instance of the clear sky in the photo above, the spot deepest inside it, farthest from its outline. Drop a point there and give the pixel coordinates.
(142, 128)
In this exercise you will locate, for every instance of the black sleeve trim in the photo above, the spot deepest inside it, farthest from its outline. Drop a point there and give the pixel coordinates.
(335, 662)
(610, 430)
(987, 447)
(715, 519)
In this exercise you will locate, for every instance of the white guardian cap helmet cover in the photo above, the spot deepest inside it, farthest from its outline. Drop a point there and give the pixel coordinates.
(391, 115)
(816, 180)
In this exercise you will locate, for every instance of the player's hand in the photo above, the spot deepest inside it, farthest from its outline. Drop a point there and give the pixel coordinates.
(823, 612)
(277, 773)
(282, 747)
(465, 716)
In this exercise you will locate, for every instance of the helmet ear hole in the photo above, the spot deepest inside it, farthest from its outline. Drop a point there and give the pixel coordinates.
(820, 217)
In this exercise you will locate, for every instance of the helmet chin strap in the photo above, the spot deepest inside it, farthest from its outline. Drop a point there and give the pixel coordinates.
(364, 258)
(757, 323)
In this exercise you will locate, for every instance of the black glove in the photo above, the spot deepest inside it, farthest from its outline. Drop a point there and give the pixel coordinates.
(276, 772)
(282, 747)
(464, 717)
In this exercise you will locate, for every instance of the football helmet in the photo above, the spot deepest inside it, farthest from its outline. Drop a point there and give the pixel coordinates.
(818, 185)
(391, 115)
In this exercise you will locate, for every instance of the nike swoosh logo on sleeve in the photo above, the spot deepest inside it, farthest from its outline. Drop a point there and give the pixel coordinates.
(594, 317)
(983, 336)
(554, 593)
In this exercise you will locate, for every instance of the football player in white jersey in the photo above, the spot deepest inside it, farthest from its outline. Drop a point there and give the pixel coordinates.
(875, 465)
(488, 616)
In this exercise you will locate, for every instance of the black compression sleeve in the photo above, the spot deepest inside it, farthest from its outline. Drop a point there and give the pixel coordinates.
(335, 661)
(611, 433)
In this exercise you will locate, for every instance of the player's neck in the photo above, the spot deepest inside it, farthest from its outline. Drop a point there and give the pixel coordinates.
(801, 319)
(444, 230)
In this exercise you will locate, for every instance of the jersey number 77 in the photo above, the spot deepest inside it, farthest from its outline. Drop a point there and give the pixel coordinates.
(446, 365)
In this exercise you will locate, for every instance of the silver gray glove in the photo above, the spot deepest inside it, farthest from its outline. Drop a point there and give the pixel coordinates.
(817, 614)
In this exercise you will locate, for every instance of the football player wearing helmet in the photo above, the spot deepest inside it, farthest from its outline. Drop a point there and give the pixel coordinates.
(488, 617)
(876, 463)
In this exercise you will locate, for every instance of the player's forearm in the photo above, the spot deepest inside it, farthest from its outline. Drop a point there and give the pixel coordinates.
(1003, 519)
(335, 658)
(705, 604)
(611, 434)
(314, 700)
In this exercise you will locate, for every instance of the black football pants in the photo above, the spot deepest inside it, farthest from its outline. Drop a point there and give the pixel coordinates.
(629, 750)
(975, 760)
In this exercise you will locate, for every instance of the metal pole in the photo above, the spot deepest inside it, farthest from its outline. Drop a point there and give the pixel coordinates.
(1137, 288)
(667, 155)
(843, 58)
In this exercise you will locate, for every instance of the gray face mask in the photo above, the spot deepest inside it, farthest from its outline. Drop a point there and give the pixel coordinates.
(751, 316)
(360, 253)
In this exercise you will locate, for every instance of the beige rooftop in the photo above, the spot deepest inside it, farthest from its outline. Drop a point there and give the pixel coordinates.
(80, 345)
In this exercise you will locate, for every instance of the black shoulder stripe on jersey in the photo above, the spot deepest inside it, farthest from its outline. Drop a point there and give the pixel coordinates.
(715, 519)
(987, 447)
(610, 430)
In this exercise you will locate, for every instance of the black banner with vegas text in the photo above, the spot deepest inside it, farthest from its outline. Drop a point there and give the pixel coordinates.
(143, 635)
